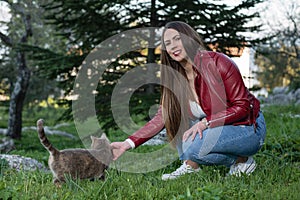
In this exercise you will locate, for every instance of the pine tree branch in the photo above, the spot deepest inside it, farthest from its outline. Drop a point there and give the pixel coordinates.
(28, 28)
(5, 39)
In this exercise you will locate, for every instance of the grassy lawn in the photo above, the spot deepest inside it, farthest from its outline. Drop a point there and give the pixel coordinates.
(276, 177)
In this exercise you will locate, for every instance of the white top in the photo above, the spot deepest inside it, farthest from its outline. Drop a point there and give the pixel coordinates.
(196, 110)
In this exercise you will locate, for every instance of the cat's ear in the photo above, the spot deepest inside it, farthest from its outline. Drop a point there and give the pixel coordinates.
(103, 136)
(93, 138)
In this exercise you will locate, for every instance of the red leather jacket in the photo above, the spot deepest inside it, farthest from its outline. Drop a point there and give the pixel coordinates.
(222, 95)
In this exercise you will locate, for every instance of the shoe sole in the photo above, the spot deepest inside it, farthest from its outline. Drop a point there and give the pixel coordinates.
(172, 177)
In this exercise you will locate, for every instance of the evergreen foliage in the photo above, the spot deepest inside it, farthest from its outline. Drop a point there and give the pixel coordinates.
(86, 24)
(82, 25)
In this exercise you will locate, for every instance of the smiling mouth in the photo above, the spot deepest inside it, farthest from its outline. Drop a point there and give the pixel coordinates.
(176, 53)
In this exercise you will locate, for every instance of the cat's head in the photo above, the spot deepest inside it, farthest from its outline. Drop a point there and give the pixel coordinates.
(103, 149)
(100, 143)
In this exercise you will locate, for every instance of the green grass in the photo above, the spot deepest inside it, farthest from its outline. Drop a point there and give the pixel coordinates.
(276, 177)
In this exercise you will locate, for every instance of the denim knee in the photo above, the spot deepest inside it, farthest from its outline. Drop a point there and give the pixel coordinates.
(191, 149)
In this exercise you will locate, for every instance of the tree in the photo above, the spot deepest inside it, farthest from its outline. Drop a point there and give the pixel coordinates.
(279, 58)
(21, 85)
(25, 31)
(220, 25)
(83, 25)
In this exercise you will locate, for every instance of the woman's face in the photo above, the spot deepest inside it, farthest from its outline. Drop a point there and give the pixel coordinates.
(173, 44)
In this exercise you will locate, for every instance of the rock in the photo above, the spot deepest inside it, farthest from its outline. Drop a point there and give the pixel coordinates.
(282, 96)
(297, 94)
(23, 163)
(3, 131)
(280, 90)
(281, 99)
(6, 145)
(50, 131)
(160, 138)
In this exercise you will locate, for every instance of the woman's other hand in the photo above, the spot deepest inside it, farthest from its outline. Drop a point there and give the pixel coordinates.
(197, 128)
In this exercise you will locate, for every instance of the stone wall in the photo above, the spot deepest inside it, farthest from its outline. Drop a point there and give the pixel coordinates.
(282, 96)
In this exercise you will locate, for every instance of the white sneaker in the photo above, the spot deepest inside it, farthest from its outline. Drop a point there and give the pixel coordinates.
(183, 169)
(243, 168)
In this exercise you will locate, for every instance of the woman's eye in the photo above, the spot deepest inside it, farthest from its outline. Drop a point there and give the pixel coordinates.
(177, 38)
(167, 43)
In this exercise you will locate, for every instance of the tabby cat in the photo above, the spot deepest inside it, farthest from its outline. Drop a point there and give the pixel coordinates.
(77, 163)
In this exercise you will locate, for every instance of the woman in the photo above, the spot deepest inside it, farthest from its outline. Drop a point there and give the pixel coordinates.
(208, 113)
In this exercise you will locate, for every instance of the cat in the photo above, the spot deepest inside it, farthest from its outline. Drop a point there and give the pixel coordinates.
(77, 163)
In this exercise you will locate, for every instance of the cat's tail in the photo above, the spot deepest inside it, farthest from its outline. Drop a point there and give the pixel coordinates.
(44, 140)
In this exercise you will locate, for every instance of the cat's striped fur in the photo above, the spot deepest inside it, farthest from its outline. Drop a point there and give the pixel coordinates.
(77, 163)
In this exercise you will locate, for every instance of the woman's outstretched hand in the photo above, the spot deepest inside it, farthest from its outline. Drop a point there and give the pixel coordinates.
(118, 148)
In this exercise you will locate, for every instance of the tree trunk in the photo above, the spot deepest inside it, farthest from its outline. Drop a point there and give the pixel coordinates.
(17, 98)
(20, 87)
(151, 50)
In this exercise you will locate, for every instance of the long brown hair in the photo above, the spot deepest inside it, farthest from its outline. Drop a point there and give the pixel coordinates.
(175, 90)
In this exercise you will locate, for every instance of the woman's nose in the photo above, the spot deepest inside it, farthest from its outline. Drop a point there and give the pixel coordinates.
(173, 45)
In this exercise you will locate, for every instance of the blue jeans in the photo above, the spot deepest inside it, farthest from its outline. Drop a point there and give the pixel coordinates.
(223, 145)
